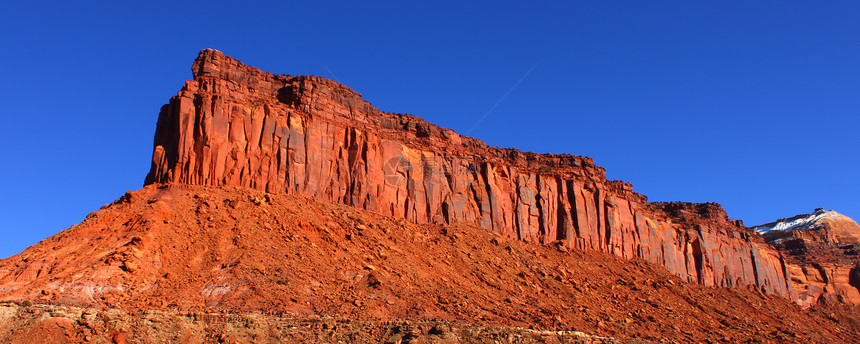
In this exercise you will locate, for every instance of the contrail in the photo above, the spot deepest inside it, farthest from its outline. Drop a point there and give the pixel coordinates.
(500, 100)
(332, 74)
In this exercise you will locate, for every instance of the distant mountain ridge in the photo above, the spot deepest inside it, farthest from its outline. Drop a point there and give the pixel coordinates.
(811, 221)
(823, 254)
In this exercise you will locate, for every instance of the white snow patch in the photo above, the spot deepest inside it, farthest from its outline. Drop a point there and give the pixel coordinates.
(797, 222)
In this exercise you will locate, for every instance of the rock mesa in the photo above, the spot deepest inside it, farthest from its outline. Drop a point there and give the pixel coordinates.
(235, 125)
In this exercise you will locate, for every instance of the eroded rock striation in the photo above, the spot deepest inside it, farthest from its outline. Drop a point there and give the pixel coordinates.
(234, 125)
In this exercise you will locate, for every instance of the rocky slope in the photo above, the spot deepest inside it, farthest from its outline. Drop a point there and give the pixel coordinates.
(823, 254)
(158, 262)
(234, 125)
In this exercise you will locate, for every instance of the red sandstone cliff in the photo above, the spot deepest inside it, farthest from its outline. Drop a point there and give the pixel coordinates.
(234, 125)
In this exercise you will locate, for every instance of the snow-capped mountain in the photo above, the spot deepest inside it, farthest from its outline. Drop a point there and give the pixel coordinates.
(799, 222)
(831, 227)
(822, 252)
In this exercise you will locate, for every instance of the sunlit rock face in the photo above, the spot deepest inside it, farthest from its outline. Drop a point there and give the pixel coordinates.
(234, 125)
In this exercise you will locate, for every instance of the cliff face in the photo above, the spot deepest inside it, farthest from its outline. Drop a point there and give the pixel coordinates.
(234, 125)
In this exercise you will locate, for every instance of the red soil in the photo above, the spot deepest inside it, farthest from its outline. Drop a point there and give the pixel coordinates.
(205, 249)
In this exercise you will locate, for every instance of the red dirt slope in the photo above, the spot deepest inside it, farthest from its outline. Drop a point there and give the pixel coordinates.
(196, 248)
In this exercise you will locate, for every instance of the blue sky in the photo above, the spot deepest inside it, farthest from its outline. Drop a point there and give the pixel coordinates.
(750, 104)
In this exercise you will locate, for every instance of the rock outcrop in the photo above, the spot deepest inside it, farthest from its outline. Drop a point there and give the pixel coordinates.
(822, 250)
(234, 125)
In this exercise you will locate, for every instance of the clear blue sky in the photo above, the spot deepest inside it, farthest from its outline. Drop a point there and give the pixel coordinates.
(752, 104)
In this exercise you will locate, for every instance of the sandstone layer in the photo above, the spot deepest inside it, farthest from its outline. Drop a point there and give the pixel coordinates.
(234, 125)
